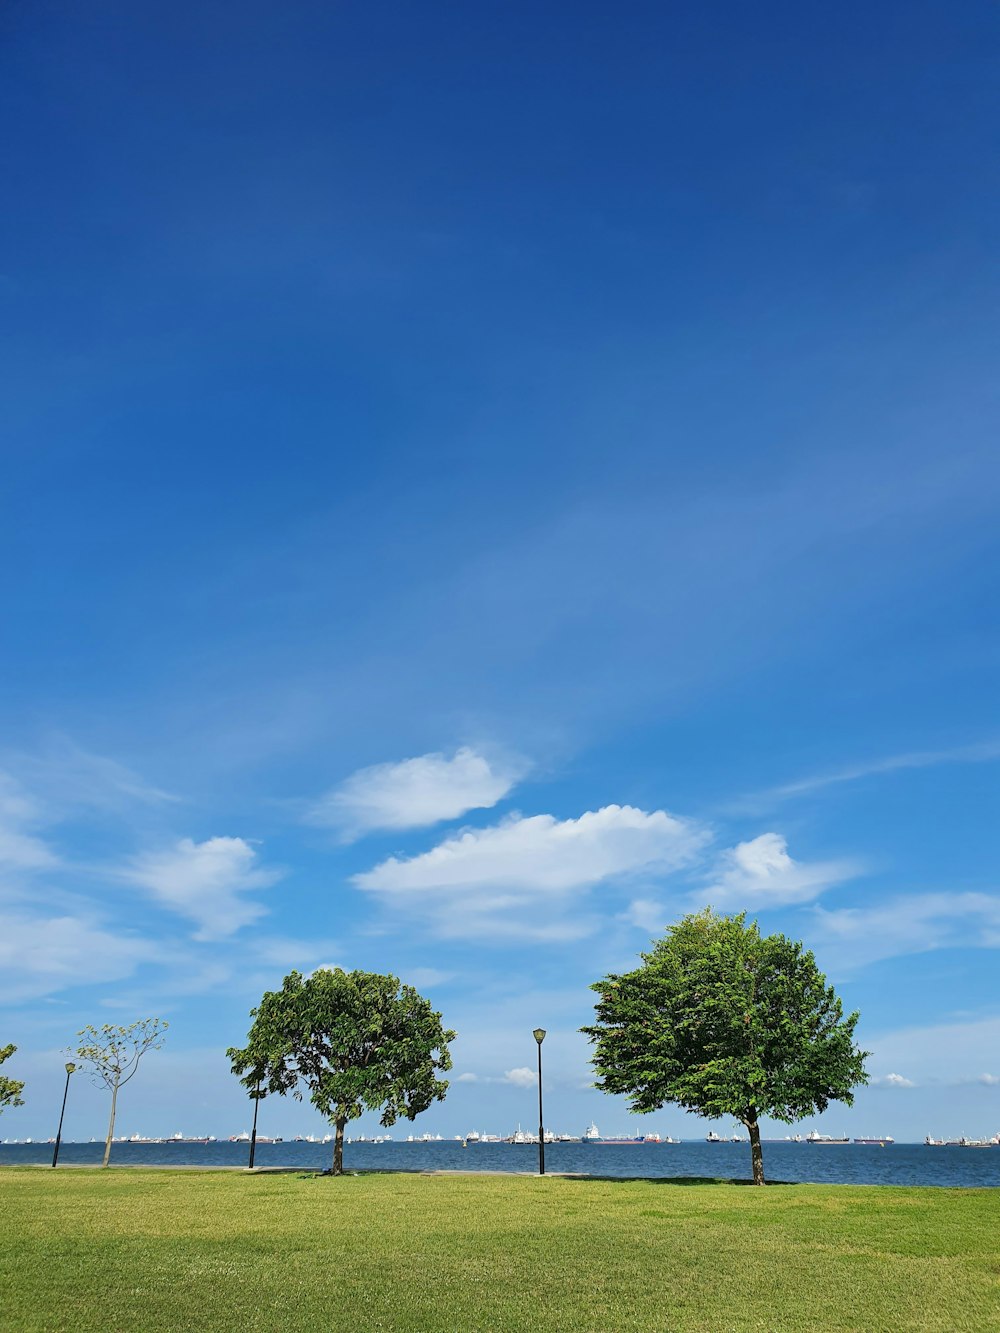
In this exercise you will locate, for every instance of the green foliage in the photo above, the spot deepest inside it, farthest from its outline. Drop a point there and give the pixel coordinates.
(113, 1052)
(357, 1040)
(727, 1022)
(10, 1088)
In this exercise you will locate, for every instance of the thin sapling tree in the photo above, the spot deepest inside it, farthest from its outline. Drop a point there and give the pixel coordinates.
(113, 1054)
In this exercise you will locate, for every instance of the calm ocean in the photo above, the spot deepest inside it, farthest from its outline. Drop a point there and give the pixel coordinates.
(847, 1164)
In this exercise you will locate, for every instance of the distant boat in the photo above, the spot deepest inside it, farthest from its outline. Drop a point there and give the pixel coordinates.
(638, 1140)
(520, 1137)
(824, 1140)
(635, 1141)
(712, 1137)
(877, 1143)
(592, 1134)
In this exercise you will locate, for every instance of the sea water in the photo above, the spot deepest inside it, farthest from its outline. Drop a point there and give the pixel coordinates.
(840, 1164)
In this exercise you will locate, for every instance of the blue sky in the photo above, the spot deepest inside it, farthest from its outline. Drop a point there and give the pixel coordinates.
(476, 485)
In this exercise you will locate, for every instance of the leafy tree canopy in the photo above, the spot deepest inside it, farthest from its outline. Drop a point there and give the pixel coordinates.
(357, 1040)
(10, 1088)
(725, 1021)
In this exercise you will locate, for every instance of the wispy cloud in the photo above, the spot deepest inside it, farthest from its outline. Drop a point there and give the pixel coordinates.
(761, 874)
(892, 1081)
(205, 881)
(414, 793)
(942, 1054)
(68, 777)
(427, 977)
(646, 914)
(283, 951)
(980, 753)
(43, 954)
(851, 937)
(21, 848)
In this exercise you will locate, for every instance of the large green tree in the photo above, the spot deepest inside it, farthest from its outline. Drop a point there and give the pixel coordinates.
(10, 1088)
(357, 1041)
(725, 1021)
(112, 1052)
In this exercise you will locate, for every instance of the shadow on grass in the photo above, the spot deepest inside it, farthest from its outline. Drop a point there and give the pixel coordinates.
(321, 1173)
(674, 1180)
(575, 1177)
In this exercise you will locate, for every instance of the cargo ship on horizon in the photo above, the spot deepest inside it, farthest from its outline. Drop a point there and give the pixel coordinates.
(594, 1136)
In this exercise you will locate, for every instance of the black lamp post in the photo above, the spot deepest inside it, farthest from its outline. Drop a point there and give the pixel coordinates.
(55, 1154)
(539, 1035)
(253, 1132)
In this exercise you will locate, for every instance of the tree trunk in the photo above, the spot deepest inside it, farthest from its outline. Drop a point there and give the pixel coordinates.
(111, 1126)
(338, 1148)
(756, 1154)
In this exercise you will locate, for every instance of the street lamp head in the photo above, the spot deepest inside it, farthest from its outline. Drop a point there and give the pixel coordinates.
(539, 1035)
(70, 1067)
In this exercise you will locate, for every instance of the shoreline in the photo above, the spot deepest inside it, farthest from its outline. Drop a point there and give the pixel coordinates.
(483, 1173)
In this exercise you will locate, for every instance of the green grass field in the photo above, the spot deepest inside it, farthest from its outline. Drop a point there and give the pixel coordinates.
(173, 1250)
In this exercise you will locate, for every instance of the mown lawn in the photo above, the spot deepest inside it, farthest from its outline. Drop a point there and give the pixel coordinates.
(173, 1250)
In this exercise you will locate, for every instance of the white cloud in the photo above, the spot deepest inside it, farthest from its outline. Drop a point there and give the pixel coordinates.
(521, 1078)
(760, 873)
(989, 1080)
(204, 881)
(416, 792)
(517, 880)
(851, 937)
(39, 955)
(893, 1081)
(20, 848)
(543, 855)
